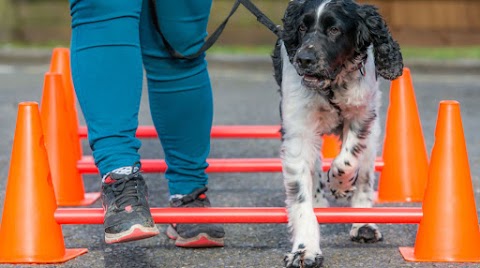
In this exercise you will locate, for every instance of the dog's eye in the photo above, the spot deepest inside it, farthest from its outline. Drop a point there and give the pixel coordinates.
(333, 31)
(302, 28)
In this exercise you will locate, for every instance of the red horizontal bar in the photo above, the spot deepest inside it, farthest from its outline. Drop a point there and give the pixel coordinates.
(237, 131)
(87, 166)
(408, 215)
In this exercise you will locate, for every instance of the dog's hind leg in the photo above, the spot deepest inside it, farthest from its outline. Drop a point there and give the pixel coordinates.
(363, 195)
(363, 198)
(319, 186)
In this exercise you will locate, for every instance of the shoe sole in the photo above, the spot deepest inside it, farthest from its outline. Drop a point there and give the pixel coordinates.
(136, 232)
(202, 240)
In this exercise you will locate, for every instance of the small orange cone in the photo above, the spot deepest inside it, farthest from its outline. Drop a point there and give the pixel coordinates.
(331, 146)
(29, 232)
(60, 63)
(405, 171)
(67, 181)
(448, 231)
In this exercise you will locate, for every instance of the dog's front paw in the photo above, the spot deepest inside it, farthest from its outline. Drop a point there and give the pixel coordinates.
(342, 176)
(344, 168)
(301, 259)
(365, 233)
(340, 188)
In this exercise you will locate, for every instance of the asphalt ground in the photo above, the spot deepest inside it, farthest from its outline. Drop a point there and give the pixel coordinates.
(245, 93)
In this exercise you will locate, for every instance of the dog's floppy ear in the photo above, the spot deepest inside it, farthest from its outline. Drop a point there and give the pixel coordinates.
(373, 30)
(290, 35)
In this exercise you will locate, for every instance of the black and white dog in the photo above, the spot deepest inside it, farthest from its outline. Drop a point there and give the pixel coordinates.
(327, 64)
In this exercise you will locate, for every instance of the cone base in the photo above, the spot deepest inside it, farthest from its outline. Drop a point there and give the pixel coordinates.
(408, 254)
(69, 254)
(89, 198)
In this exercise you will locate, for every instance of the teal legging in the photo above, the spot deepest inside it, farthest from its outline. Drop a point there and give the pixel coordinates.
(110, 40)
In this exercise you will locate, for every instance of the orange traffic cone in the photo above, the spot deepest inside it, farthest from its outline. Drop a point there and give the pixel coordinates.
(29, 232)
(331, 146)
(60, 63)
(448, 231)
(405, 171)
(67, 181)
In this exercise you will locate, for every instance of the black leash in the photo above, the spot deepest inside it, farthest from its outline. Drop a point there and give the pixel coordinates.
(261, 17)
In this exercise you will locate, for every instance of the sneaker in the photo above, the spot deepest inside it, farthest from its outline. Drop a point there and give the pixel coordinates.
(195, 235)
(127, 214)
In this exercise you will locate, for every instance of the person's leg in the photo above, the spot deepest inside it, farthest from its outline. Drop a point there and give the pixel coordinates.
(179, 90)
(181, 105)
(183, 121)
(107, 74)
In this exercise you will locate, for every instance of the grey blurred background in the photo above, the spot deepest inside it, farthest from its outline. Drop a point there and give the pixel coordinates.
(415, 23)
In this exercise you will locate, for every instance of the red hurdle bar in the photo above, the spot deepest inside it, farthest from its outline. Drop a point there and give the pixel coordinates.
(411, 215)
(231, 132)
(87, 165)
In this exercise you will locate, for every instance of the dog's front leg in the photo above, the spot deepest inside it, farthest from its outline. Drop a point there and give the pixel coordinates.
(298, 159)
(352, 172)
(299, 151)
(343, 173)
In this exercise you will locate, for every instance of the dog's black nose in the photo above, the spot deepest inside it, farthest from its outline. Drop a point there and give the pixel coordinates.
(305, 58)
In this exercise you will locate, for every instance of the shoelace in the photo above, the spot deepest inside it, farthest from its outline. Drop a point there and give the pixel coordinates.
(191, 200)
(125, 191)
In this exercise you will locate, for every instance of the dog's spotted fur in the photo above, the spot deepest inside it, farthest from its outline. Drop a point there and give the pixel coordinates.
(327, 64)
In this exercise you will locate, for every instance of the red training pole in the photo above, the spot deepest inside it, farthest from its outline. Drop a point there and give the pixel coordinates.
(409, 215)
(87, 166)
(219, 131)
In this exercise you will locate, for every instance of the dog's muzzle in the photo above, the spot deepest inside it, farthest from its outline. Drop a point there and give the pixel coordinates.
(308, 65)
(317, 83)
